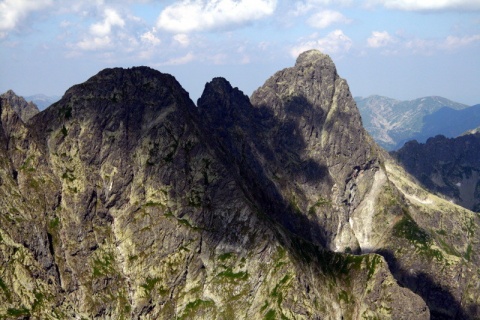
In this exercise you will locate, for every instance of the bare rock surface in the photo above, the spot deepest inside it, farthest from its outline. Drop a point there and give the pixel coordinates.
(125, 200)
(24, 109)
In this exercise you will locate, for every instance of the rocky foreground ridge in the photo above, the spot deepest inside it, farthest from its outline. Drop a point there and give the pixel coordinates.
(125, 200)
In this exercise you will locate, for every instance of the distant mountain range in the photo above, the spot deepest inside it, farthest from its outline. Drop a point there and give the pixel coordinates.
(42, 101)
(393, 122)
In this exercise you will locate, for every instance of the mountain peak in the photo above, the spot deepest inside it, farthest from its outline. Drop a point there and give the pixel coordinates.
(312, 57)
(24, 109)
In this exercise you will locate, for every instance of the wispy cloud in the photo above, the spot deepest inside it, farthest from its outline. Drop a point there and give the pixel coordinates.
(306, 6)
(379, 39)
(326, 18)
(429, 5)
(415, 45)
(13, 12)
(182, 39)
(100, 33)
(104, 28)
(199, 15)
(453, 42)
(189, 57)
(150, 38)
(334, 43)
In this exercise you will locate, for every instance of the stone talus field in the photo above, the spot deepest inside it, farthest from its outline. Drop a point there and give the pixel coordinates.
(126, 200)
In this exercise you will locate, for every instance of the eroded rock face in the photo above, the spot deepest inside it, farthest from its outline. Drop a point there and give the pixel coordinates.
(144, 206)
(448, 166)
(318, 123)
(24, 109)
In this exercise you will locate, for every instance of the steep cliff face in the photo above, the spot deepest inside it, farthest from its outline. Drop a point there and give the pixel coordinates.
(448, 166)
(319, 128)
(144, 206)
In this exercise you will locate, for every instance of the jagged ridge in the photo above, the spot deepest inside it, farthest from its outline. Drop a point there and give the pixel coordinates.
(150, 207)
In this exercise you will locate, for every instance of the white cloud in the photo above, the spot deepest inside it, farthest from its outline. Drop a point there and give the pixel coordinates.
(326, 18)
(178, 61)
(150, 38)
(182, 38)
(334, 42)
(431, 46)
(198, 15)
(379, 39)
(100, 34)
(12, 12)
(111, 19)
(95, 43)
(430, 5)
(452, 42)
(303, 7)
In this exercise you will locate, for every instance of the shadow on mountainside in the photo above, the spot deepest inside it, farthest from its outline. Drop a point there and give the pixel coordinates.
(256, 145)
(265, 154)
(440, 301)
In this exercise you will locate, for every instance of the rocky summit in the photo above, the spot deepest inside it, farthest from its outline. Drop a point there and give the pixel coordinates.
(24, 109)
(124, 199)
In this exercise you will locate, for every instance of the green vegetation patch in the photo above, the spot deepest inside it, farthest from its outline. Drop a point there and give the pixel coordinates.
(192, 308)
(228, 273)
(149, 284)
(39, 298)
(103, 265)
(277, 292)
(468, 253)
(409, 229)
(372, 263)
(5, 290)
(18, 312)
(345, 297)
(270, 315)
(54, 223)
(154, 204)
(225, 256)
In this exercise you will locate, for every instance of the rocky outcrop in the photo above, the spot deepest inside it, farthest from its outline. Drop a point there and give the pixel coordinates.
(279, 206)
(447, 166)
(24, 109)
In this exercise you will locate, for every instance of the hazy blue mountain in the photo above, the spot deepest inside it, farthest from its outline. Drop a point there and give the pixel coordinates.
(448, 122)
(393, 122)
(42, 101)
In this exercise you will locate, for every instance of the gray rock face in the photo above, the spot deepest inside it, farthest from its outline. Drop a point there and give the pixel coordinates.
(318, 124)
(144, 206)
(24, 109)
(446, 166)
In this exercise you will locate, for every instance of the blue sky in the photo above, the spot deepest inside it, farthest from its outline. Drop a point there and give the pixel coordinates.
(402, 49)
